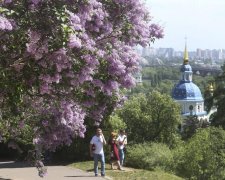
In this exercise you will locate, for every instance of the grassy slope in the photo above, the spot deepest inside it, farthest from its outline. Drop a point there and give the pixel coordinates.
(129, 173)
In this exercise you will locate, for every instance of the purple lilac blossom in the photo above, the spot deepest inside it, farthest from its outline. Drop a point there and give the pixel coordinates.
(75, 72)
(67, 123)
(5, 24)
(74, 42)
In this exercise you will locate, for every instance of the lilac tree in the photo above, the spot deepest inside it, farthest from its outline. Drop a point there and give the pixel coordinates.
(65, 61)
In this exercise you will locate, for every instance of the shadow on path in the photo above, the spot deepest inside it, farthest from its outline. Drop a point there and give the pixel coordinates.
(24, 164)
(4, 179)
(13, 164)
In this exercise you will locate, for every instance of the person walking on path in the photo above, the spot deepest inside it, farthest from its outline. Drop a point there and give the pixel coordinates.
(122, 140)
(114, 154)
(97, 152)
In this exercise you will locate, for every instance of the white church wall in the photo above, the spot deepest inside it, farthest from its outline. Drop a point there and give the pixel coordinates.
(198, 107)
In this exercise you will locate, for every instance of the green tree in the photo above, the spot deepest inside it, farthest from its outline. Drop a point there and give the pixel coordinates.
(219, 99)
(151, 117)
(115, 123)
(203, 83)
(203, 157)
(191, 125)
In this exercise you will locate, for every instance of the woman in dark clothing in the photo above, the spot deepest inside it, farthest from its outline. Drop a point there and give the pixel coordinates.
(114, 153)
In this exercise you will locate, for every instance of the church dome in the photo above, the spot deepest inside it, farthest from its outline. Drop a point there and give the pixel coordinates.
(187, 91)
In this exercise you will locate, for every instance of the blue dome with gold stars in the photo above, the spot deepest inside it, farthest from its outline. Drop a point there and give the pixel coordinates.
(187, 91)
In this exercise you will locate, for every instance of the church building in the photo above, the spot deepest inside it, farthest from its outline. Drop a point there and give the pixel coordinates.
(188, 94)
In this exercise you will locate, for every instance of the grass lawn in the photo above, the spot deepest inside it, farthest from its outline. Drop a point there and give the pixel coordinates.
(128, 173)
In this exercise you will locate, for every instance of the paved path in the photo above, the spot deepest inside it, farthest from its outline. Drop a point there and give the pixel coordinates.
(19, 171)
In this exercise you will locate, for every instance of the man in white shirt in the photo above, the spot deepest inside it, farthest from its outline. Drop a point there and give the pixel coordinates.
(122, 141)
(97, 152)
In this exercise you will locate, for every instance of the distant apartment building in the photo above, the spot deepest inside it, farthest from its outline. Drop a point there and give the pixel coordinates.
(149, 51)
(199, 53)
(167, 53)
(159, 52)
(192, 55)
(207, 54)
(223, 54)
(216, 55)
(178, 54)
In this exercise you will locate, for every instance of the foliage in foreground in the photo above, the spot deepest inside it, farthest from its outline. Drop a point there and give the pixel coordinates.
(203, 156)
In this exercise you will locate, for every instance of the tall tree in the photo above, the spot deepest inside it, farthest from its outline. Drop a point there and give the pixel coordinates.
(152, 117)
(219, 99)
(63, 62)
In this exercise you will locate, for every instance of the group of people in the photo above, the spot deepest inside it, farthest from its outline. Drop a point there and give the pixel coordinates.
(117, 147)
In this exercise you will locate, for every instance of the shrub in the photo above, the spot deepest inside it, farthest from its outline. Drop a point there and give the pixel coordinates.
(150, 156)
(203, 156)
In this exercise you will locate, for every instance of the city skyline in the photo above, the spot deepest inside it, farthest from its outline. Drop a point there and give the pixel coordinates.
(182, 50)
(199, 20)
(213, 54)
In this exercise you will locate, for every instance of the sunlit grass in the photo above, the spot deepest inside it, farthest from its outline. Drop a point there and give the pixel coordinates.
(128, 173)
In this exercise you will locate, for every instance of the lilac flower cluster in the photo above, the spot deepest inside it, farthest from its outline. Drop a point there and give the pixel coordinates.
(35, 47)
(156, 31)
(7, 1)
(5, 24)
(71, 58)
(92, 32)
(59, 125)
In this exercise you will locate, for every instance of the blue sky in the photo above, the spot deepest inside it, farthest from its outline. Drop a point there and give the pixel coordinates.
(202, 21)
